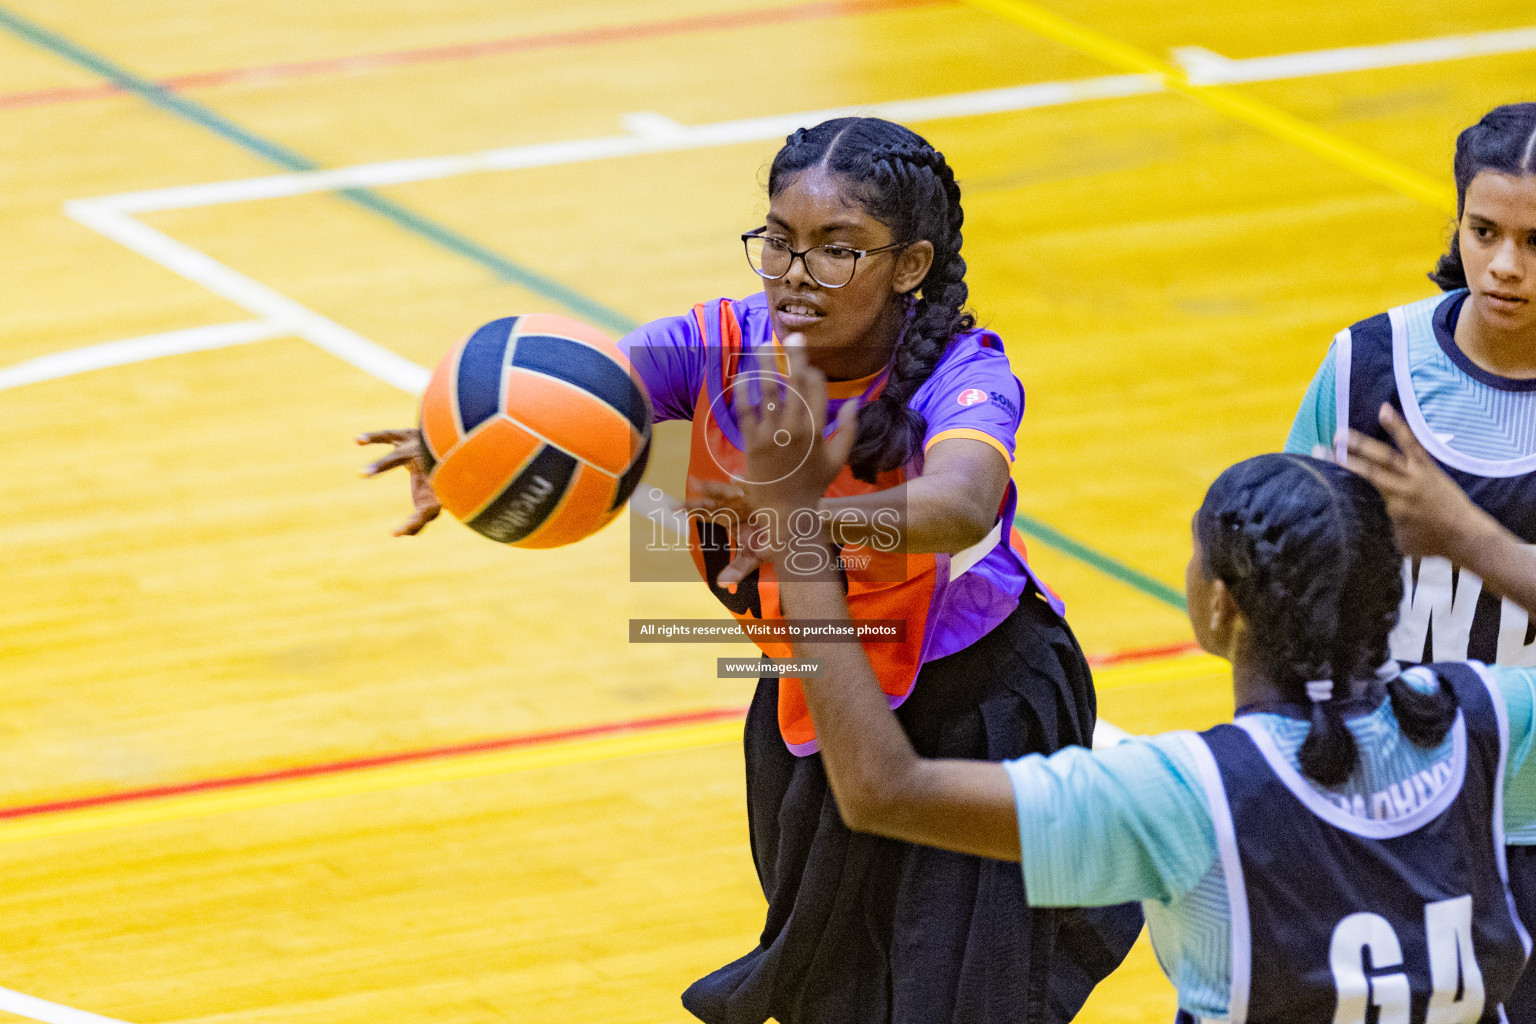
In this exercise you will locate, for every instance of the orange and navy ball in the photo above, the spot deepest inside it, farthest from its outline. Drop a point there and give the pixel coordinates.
(537, 428)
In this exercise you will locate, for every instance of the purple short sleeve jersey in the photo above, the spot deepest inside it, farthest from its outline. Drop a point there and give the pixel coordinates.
(971, 395)
(668, 354)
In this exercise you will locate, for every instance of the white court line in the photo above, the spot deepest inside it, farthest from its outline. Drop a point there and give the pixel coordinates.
(648, 133)
(653, 133)
(34, 1008)
(272, 306)
(137, 350)
(1206, 68)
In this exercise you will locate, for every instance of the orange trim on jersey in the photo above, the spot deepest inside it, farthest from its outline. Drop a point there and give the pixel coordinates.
(851, 388)
(1016, 541)
(971, 435)
(836, 389)
(730, 333)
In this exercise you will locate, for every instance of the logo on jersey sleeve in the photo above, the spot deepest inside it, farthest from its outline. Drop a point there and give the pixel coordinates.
(971, 396)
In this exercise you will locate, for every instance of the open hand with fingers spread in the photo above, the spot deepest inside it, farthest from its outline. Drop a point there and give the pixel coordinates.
(782, 430)
(1431, 514)
(410, 452)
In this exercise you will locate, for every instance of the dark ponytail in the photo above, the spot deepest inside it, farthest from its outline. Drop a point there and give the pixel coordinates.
(1424, 717)
(906, 184)
(1306, 549)
(1504, 141)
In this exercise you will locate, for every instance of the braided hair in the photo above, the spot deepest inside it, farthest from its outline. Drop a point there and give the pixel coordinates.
(1306, 549)
(1504, 141)
(906, 184)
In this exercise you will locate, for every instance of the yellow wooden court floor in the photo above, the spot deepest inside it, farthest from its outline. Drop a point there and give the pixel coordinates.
(262, 761)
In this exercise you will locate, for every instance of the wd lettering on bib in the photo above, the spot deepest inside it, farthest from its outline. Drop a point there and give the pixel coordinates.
(1438, 604)
(1447, 614)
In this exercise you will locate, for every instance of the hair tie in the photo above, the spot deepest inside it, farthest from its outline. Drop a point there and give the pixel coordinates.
(1389, 670)
(1319, 690)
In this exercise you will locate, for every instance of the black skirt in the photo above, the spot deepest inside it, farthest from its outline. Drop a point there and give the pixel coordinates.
(866, 930)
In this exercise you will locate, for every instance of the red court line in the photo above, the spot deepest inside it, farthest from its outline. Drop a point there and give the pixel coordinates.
(464, 51)
(48, 96)
(462, 749)
(339, 767)
(1142, 654)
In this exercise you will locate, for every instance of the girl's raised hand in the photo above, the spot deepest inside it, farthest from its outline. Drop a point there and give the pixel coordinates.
(408, 452)
(1429, 511)
(789, 463)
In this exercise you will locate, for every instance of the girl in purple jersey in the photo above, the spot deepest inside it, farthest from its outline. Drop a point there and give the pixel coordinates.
(860, 253)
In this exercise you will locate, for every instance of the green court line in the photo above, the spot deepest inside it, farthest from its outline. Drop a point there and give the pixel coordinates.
(587, 308)
(1048, 534)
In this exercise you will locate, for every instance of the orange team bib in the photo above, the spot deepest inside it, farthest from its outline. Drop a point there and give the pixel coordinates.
(889, 585)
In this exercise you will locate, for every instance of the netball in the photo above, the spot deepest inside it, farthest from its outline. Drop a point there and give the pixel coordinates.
(536, 430)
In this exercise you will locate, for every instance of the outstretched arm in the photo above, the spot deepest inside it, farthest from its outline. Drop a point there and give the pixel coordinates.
(1433, 516)
(880, 783)
(951, 506)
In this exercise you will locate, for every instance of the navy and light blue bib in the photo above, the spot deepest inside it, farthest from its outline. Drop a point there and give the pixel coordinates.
(1447, 614)
(1394, 908)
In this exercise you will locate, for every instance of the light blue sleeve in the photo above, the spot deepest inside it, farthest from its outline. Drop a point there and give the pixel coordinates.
(1518, 686)
(1097, 828)
(1315, 420)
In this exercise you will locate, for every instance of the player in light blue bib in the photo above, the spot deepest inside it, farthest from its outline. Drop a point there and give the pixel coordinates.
(1459, 369)
(1336, 854)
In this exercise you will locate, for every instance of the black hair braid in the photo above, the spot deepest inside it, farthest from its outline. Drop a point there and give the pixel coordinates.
(889, 428)
(1329, 755)
(1504, 141)
(906, 184)
(1266, 564)
(1425, 718)
(1306, 549)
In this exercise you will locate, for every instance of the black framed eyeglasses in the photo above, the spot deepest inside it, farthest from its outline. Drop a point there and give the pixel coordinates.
(830, 266)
